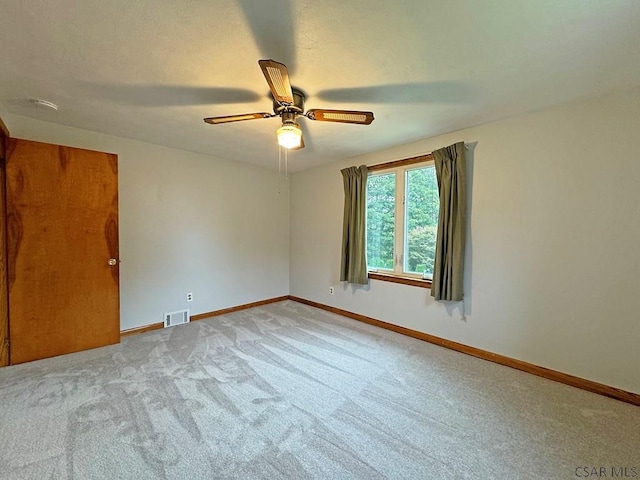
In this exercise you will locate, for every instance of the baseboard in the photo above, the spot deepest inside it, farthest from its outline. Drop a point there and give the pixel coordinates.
(200, 316)
(567, 379)
(145, 328)
(237, 308)
(588, 385)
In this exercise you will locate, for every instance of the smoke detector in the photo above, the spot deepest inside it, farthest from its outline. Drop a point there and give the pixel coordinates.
(44, 104)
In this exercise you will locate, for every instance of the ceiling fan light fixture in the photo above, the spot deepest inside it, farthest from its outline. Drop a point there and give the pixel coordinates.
(289, 135)
(288, 104)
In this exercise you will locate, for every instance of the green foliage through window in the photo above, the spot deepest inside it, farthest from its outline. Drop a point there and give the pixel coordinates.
(381, 204)
(421, 210)
(417, 190)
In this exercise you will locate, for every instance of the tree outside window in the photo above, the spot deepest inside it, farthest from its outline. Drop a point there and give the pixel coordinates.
(402, 220)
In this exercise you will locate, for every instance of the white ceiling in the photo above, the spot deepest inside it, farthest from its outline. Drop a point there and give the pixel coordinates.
(153, 69)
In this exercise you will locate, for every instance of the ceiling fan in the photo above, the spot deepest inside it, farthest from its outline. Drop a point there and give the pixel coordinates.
(288, 103)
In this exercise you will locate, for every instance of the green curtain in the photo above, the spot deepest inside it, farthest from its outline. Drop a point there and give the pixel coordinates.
(353, 268)
(449, 258)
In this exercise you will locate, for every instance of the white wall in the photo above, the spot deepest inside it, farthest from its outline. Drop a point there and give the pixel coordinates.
(188, 223)
(553, 250)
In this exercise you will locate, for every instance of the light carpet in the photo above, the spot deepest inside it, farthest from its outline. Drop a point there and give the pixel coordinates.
(288, 391)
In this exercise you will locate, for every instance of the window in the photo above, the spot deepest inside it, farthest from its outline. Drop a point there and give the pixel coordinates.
(402, 220)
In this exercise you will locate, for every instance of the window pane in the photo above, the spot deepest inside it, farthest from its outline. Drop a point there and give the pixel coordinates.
(381, 201)
(421, 219)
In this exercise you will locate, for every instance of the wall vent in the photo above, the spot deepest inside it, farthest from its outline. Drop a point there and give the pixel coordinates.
(176, 318)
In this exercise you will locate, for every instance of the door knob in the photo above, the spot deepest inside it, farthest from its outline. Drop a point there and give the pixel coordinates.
(112, 261)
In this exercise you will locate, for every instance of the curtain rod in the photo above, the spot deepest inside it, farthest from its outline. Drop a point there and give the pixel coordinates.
(405, 161)
(401, 163)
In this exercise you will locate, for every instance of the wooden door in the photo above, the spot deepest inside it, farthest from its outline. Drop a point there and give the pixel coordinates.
(62, 231)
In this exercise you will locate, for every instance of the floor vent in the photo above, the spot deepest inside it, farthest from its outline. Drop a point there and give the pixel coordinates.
(176, 318)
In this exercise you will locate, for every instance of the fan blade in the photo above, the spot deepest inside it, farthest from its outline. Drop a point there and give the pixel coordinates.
(419, 92)
(342, 116)
(145, 95)
(273, 28)
(237, 118)
(278, 79)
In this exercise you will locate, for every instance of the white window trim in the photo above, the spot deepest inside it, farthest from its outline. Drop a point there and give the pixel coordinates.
(400, 242)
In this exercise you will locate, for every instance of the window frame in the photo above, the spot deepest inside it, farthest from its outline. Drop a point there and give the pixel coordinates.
(398, 275)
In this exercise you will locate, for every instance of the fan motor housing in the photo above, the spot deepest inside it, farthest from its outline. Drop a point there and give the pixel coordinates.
(297, 106)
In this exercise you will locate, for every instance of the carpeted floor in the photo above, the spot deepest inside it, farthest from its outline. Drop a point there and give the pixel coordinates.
(287, 391)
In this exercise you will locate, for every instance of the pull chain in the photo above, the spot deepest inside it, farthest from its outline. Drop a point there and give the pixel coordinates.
(283, 167)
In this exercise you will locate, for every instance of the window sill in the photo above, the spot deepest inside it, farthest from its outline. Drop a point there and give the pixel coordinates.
(385, 277)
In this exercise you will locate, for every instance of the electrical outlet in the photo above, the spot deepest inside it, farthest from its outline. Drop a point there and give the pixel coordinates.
(331, 291)
(189, 297)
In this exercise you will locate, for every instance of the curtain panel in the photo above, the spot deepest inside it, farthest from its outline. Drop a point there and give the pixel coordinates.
(353, 268)
(448, 268)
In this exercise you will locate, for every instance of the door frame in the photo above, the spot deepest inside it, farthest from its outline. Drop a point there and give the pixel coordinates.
(4, 292)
